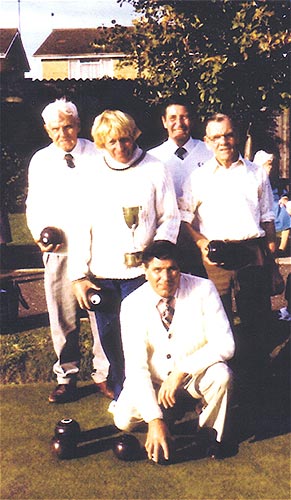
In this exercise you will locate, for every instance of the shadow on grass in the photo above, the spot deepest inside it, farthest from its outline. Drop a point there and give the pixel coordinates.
(87, 390)
(96, 440)
(184, 448)
(26, 323)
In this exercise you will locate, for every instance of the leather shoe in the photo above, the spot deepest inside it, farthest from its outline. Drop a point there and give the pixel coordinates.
(63, 393)
(105, 389)
(214, 451)
(219, 451)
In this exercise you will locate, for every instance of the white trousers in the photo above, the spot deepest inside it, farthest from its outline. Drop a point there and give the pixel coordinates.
(212, 387)
(64, 323)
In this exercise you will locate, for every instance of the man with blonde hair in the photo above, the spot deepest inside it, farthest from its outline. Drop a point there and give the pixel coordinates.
(132, 203)
(58, 174)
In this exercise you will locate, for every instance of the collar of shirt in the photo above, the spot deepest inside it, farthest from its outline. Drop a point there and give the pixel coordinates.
(75, 152)
(216, 166)
(156, 297)
(189, 145)
(116, 165)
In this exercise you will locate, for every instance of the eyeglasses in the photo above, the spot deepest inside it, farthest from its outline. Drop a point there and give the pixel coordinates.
(216, 138)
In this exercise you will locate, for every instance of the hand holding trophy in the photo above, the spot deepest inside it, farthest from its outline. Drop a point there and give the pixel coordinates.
(131, 217)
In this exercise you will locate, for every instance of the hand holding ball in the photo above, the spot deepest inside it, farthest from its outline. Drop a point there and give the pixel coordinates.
(51, 236)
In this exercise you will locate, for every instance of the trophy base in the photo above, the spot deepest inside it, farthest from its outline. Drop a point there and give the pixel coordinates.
(133, 259)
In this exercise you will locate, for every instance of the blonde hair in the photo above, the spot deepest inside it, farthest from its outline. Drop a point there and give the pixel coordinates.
(59, 107)
(113, 123)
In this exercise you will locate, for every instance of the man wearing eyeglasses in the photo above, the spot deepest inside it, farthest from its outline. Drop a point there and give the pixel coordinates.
(232, 201)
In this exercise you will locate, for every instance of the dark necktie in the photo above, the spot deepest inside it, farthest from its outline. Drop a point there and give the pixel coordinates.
(70, 160)
(166, 310)
(180, 152)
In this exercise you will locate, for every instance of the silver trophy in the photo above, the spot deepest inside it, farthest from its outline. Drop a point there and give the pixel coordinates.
(131, 217)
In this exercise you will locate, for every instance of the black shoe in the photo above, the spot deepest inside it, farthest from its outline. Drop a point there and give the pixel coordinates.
(63, 393)
(214, 451)
(219, 451)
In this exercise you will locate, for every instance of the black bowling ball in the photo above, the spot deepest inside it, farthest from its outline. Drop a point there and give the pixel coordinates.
(68, 429)
(100, 300)
(51, 236)
(63, 448)
(127, 447)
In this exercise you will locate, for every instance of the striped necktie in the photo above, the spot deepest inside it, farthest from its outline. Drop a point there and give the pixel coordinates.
(180, 152)
(70, 160)
(166, 310)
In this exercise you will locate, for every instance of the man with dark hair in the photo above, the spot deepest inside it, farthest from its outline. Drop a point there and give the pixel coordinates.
(176, 339)
(182, 154)
(161, 249)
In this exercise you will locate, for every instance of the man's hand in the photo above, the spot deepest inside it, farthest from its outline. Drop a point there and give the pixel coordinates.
(158, 438)
(269, 228)
(50, 248)
(201, 241)
(80, 289)
(168, 389)
(203, 245)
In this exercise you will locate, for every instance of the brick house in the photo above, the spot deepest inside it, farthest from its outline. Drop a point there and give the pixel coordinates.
(83, 54)
(13, 60)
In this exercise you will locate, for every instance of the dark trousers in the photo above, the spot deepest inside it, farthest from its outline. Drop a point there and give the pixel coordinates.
(109, 328)
(250, 288)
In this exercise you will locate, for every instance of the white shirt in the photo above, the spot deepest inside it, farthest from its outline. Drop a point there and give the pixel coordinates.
(200, 336)
(229, 203)
(197, 154)
(54, 189)
(103, 236)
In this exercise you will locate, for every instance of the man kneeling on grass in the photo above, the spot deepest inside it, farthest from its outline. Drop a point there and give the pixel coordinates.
(176, 337)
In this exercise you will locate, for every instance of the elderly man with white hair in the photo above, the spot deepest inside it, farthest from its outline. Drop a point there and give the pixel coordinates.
(58, 174)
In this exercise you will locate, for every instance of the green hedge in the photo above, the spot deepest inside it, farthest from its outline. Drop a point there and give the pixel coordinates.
(29, 356)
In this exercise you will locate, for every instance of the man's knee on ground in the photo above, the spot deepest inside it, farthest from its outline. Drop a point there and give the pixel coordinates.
(123, 422)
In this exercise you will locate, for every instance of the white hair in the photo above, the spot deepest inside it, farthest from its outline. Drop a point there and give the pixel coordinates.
(59, 107)
(261, 157)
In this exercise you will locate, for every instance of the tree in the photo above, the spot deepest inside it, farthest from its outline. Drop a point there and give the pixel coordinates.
(226, 55)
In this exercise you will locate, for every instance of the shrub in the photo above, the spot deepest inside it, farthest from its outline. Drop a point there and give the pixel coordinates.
(29, 356)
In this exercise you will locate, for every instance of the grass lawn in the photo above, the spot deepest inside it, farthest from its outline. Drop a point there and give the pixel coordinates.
(29, 471)
(260, 470)
(20, 232)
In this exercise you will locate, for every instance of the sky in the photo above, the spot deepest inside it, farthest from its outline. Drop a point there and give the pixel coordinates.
(37, 18)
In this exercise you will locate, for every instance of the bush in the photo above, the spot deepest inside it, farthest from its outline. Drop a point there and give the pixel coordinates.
(29, 356)
(13, 180)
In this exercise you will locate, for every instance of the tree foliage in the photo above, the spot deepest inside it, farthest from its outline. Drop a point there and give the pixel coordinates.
(225, 55)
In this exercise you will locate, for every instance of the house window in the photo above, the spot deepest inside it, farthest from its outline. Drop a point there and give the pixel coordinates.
(91, 69)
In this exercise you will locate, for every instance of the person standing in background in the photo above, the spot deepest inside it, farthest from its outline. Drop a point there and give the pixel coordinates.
(182, 154)
(280, 206)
